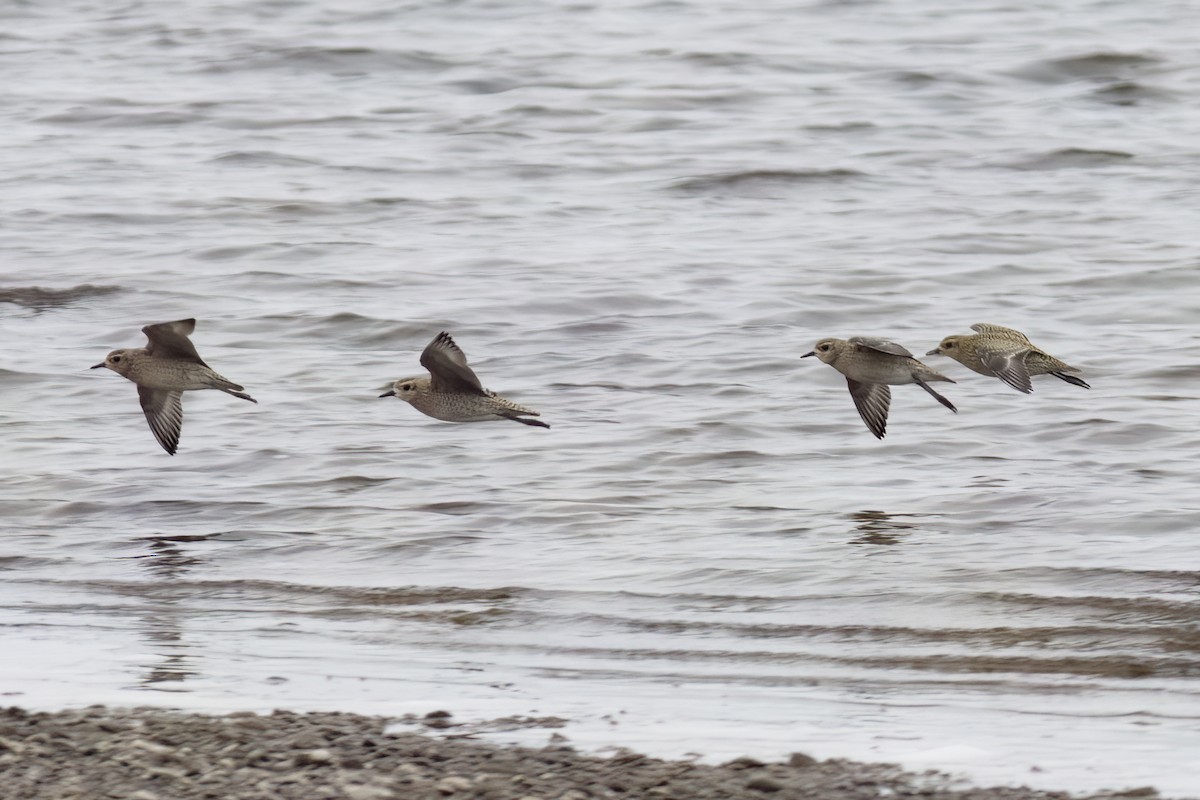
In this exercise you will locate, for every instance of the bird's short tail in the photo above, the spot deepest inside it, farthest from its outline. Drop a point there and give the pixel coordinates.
(1071, 379)
(242, 395)
(229, 387)
(525, 420)
(937, 396)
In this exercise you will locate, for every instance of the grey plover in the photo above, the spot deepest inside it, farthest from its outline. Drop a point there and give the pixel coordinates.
(163, 370)
(870, 364)
(452, 393)
(1006, 354)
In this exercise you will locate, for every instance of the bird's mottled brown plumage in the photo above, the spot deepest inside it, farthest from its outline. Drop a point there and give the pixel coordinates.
(1006, 354)
(452, 392)
(870, 365)
(163, 370)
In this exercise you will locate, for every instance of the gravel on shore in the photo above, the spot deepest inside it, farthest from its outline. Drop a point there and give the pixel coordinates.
(97, 753)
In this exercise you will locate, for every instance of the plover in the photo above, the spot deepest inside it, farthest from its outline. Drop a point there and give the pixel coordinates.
(163, 370)
(452, 392)
(1006, 354)
(870, 365)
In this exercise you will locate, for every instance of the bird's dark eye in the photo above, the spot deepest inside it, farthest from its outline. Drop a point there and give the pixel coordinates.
(949, 345)
(406, 387)
(824, 348)
(116, 359)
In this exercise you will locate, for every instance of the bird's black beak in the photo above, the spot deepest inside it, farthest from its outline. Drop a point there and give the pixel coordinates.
(388, 393)
(937, 351)
(809, 353)
(98, 366)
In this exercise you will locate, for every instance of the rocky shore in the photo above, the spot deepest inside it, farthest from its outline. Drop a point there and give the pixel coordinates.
(148, 754)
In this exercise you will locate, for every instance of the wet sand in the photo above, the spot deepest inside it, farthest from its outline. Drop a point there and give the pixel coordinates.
(150, 754)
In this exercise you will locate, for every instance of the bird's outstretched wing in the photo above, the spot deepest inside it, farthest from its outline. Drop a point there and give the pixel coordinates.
(1000, 330)
(880, 345)
(164, 412)
(872, 401)
(1008, 364)
(447, 365)
(170, 340)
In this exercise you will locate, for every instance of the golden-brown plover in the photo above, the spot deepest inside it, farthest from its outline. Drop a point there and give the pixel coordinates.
(1006, 354)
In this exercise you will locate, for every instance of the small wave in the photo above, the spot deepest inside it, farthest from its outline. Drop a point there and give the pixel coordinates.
(841, 127)
(752, 181)
(111, 119)
(42, 299)
(333, 59)
(358, 330)
(1071, 158)
(1101, 65)
(262, 158)
(123, 218)
(595, 326)
(246, 123)
(1177, 372)
(24, 562)
(1148, 613)
(233, 253)
(495, 85)
(730, 458)
(548, 112)
(455, 508)
(1133, 665)
(913, 78)
(400, 596)
(725, 59)
(1130, 93)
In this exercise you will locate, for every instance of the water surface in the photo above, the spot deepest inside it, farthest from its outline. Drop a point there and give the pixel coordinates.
(633, 217)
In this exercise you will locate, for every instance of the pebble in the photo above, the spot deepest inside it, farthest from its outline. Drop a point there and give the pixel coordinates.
(438, 719)
(764, 784)
(166, 773)
(252, 722)
(65, 760)
(366, 792)
(317, 758)
(453, 784)
(11, 746)
(485, 777)
(153, 748)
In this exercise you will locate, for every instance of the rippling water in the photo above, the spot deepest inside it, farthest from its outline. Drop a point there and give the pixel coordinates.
(633, 217)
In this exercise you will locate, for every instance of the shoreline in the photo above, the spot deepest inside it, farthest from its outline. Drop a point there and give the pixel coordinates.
(153, 754)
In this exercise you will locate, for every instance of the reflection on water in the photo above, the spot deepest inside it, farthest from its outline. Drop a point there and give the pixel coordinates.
(880, 527)
(167, 560)
(162, 620)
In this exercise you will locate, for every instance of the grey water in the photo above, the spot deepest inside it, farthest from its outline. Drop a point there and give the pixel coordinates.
(633, 217)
